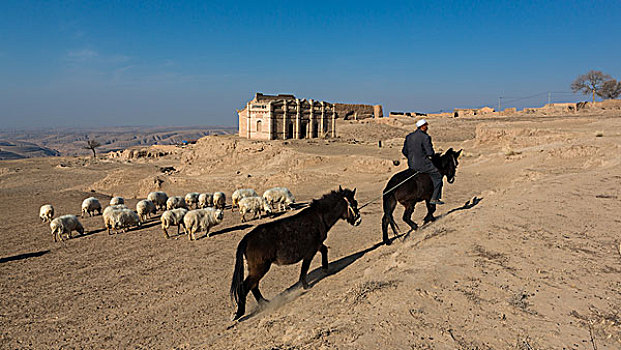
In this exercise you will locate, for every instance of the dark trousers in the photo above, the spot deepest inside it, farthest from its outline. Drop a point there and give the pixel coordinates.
(436, 178)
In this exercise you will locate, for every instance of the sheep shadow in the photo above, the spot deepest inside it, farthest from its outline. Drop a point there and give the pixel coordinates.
(314, 277)
(23, 256)
(227, 230)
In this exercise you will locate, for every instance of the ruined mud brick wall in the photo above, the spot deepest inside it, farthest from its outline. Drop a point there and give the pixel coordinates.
(349, 111)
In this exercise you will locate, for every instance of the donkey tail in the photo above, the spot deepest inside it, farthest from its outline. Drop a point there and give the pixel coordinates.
(237, 284)
(389, 204)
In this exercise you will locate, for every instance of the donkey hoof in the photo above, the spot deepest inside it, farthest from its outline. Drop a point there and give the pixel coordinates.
(387, 242)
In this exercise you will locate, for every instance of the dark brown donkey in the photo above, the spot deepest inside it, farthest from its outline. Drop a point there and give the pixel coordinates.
(415, 188)
(287, 241)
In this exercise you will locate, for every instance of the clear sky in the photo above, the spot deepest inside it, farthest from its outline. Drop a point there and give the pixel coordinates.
(97, 63)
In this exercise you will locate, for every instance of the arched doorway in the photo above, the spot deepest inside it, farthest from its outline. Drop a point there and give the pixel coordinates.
(259, 125)
(303, 130)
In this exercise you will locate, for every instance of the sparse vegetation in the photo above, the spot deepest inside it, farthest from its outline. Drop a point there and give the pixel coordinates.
(590, 83)
(610, 89)
(92, 144)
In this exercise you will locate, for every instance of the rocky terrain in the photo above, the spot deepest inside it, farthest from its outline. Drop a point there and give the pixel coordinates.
(71, 141)
(525, 255)
(21, 149)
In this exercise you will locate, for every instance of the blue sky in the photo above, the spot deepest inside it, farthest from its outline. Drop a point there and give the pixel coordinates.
(98, 63)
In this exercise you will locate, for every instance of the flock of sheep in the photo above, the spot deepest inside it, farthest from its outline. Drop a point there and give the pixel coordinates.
(208, 211)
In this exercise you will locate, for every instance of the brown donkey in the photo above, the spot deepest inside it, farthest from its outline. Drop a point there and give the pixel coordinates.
(287, 241)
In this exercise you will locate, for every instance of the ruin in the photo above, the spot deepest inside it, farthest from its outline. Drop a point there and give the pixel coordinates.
(283, 116)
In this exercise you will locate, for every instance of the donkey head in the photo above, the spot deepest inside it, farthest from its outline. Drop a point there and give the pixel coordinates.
(449, 164)
(352, 215)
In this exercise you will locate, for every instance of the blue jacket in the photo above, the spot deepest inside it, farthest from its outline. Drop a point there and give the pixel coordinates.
(418, 148)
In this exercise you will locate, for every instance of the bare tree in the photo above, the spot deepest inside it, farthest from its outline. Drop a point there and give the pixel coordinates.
(590, 83)
(610, 89)
(92, 144)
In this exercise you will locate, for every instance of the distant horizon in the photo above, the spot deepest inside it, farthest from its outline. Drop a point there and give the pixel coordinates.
(99, 64)
(94, 128)
(235, 120)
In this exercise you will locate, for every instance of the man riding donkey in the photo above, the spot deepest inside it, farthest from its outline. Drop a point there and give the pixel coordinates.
(418, 149)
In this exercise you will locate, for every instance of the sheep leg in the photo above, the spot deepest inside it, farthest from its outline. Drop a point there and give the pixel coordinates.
(207, 234)
(166, 233)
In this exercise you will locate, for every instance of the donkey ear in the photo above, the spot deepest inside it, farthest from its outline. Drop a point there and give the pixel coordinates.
(458, 153)
(450, 150)
(354, 192)
(340, 188)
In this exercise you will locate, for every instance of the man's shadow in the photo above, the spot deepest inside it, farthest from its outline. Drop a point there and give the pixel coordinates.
(468, 205)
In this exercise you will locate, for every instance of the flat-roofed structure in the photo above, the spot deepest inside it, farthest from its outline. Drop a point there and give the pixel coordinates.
(279, 117)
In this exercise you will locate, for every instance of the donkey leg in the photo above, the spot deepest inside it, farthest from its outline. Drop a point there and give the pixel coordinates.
(389, 203)
(324, 258)
(407, 216)
(257, 272)
(431, 208)
(385, 222)
(305, 265)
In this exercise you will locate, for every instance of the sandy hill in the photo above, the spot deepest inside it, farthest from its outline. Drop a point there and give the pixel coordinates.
(525, 254)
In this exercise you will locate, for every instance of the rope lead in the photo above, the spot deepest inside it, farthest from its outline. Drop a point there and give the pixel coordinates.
(387, 192)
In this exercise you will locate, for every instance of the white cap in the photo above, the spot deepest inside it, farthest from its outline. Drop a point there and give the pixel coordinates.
(421, 123)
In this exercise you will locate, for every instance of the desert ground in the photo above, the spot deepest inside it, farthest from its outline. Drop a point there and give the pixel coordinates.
(525, 254)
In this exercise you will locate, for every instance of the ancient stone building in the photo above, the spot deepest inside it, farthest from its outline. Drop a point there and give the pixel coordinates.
(281, 117)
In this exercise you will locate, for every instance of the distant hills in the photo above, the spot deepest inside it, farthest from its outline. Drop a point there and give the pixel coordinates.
(21, 149)
(16, 144)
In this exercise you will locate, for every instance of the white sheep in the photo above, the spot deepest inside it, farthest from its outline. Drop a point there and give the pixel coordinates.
(192, 199)
(175, 202)
(255, 205)
(241, 193)
(173, 217)
(219, 200)
(117, 201)
(90, 205)
(201, 219)
(205, 200)
(64, 225)
(280, 196)
(114, 207)
(46, 213)
(158, 198)
(120, 219)
(145, 208)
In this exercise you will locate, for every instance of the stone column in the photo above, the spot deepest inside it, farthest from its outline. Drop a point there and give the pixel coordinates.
(270, 121)
(297, 119)
(333, 121)
(323, 116)
(248, 126)
(284, 119)
(311, 122)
